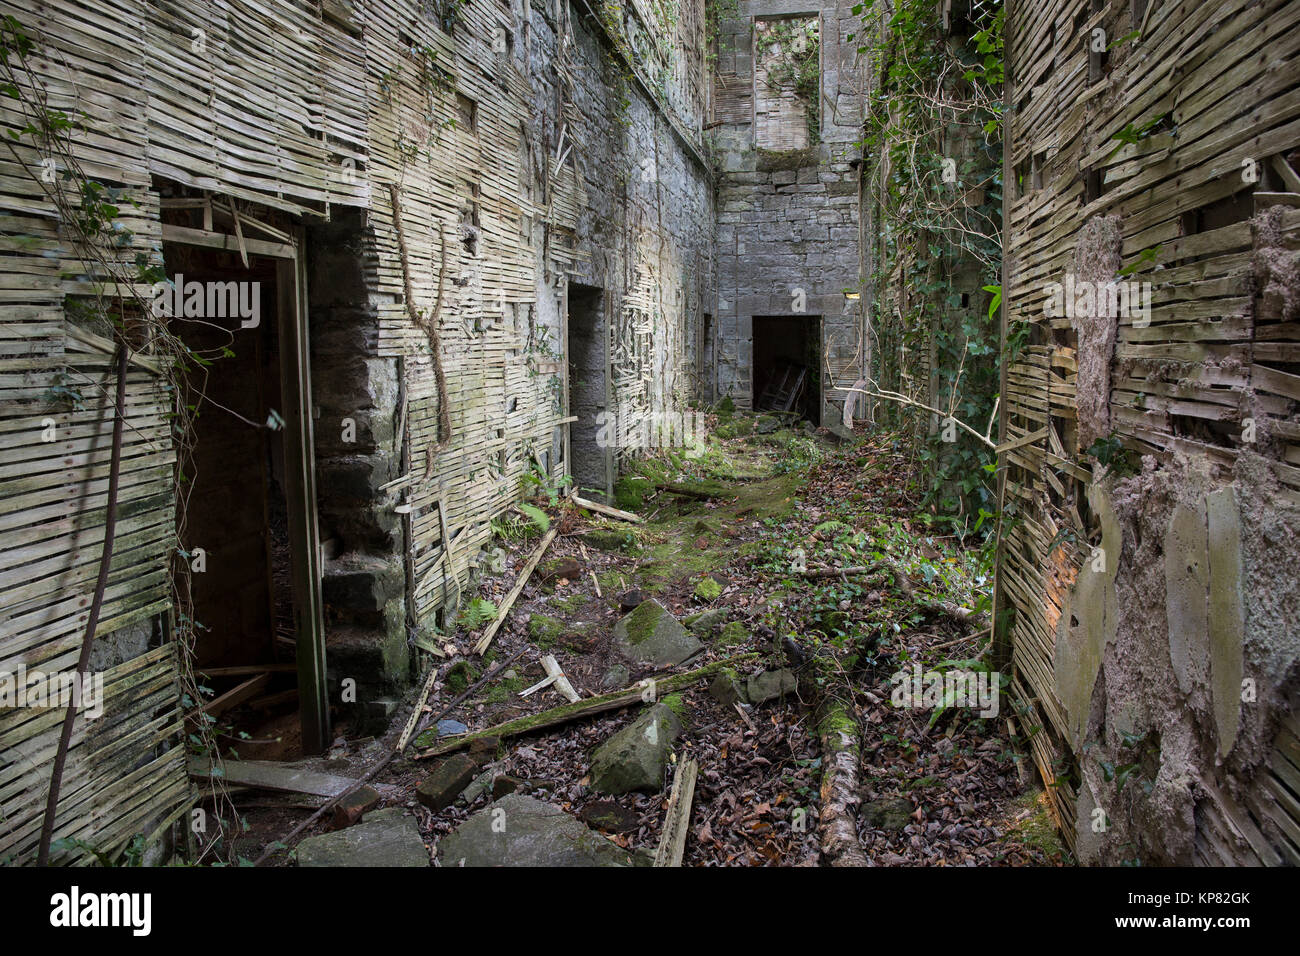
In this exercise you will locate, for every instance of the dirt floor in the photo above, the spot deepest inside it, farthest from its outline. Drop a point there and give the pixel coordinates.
(729, 529)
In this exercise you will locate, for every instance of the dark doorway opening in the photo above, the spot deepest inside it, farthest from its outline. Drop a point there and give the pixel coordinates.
(787, 364)
(591, 436)
(236, 531)
(706, 360)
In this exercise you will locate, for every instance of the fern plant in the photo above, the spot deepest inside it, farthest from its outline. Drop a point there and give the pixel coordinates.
(476, 613)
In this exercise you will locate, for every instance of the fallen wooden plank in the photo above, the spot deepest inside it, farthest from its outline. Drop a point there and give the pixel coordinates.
(606, 510)
(595, 705)
(271, 775)
(677, 824)
(486, 640)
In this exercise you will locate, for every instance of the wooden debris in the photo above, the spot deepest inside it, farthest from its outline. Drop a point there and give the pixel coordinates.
(486, 640)
(246, 670)
(272, 775)
(595, 705)
(554, 675)
(233, 697)
(606, 510)
(672, 842)
(464, 695)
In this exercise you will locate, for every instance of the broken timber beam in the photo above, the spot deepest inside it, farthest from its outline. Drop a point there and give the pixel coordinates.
(554, 675)
(233, 697)
(486, 640)
(606, 510)
(672, 842)
(595, 705)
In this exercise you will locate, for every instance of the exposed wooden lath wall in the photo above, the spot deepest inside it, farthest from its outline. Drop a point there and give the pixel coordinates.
(302, 113)
(1216, 352)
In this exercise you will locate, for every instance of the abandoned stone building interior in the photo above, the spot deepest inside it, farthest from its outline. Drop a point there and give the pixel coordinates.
(451, 256)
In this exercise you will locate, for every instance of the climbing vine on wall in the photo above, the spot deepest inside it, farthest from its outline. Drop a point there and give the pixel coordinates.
(790, 53)
(932, 149)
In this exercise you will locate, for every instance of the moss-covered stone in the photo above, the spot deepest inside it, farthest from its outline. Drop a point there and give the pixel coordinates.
(650, 633)
(636, 757)
(707, 589)
(705, 622)
(727, 688)
(677, 704)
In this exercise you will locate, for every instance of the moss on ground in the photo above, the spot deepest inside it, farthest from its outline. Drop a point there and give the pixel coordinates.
(612, 539)
(570, 604)
(460, 675)
(736, 428)
(733, 633)
(505, 689)
(708, 589)
(544, 631)
(1038, 831)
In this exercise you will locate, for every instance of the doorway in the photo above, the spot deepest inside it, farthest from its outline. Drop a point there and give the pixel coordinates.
(250, 564)
(787, 365)
(592, 432)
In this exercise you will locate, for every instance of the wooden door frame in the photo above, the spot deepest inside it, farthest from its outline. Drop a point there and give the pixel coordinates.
(300, 462)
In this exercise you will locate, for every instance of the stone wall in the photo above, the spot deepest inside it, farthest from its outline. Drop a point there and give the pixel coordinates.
(788, 228)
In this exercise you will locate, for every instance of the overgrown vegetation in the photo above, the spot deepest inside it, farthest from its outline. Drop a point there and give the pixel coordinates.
(788, 52)
(933, 157)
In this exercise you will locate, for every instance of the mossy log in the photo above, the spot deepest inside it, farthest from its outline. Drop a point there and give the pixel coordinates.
(704, 490)
(595, 705)
(840, 735)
